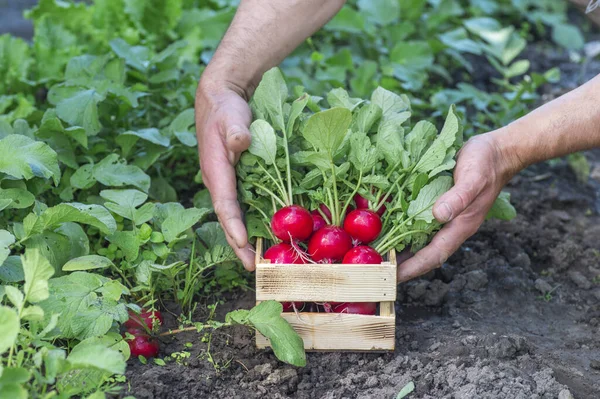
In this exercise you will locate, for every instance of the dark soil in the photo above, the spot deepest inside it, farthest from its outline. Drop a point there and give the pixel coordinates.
(479, 327)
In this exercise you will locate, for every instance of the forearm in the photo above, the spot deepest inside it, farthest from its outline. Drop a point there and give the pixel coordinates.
(565, 125)
(262, 34)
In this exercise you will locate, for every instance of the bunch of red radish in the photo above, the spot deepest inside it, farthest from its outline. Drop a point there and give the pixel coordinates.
(327, 243)
(141, 327)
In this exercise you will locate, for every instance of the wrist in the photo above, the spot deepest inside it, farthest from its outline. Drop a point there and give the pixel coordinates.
(512, 156)
(222, 75)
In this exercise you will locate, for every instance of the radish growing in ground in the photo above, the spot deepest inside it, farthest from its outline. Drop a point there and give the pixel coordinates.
(363, 225)
(292, 223)
(146, 317)
(330, 242)
(143, 345)
(363, 255)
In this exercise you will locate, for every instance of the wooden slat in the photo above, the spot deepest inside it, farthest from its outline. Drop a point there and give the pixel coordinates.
(335, 331)
(387, 309)
(323, 283)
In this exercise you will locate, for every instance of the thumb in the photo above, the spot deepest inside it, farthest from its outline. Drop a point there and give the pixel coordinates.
(237, 136)
(458, 198)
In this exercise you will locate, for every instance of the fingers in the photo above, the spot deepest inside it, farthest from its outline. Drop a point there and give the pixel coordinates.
(245, 254)
(219, 177)
(444, 244)
(468, 185)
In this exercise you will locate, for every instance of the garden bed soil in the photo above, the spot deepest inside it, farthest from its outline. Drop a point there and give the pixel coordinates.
(514, 314)
(479, 327)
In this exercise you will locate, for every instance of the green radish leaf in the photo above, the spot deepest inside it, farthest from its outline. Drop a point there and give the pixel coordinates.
(420, 182)
(286, 343)
(10, 328)
(180, 220)
(419, 139)
(32, 312)
(81, 109)
(270, 95)
(137, 57)
(447, 164)
(239, 316)
(390, 138)
(363, 155)
(11, 271)
(93, 215)
(326, 130)
(37, 271)
(366, 117)
(295, 111)
(128, 242)
(92, 354)
(111, 172)
(339, 98)
(84, 311)
(14, 295)
(24, 158)
(389, 102)
(125, 202)
(264, 141)
(87, 262)
(436, 153)
(421, 208)
(19, 198)
(152, 135)
(180, 128)
(82, 178)
(502, 209)
(6, 240)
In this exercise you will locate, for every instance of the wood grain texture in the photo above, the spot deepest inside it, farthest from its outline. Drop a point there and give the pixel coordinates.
(322, 283)
(335, 331)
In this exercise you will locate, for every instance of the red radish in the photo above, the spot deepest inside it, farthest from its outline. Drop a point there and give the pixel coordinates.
(318, 220)
(292, 222)
(330, 242)
(363, 225)
(145, 317)
(369, 308)
(362, 255)
(289, 306)
(136, 331)
(283, 253)
(325, 211)
(143, 345)
(363, 203)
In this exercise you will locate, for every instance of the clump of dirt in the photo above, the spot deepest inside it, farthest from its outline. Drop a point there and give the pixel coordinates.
(514, 314)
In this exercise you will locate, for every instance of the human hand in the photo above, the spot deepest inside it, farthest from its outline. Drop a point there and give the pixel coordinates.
(222, 120)
(481, 171)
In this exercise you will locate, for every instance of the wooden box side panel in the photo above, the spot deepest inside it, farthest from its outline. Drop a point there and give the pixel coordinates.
(334, 331)
(326, 283)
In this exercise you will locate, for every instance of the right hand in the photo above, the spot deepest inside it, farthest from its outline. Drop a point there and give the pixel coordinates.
(222, 120)
(483, 167)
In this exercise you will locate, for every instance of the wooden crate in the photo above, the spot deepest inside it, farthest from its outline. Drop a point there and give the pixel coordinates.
(332, 283)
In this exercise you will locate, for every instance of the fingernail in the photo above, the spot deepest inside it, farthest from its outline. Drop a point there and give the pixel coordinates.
(444, 212)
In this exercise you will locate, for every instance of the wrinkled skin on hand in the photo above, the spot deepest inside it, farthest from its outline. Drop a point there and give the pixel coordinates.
(222, 120)
(482, 169)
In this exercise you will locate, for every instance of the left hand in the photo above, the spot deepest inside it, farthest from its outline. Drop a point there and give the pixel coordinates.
(482, 169)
